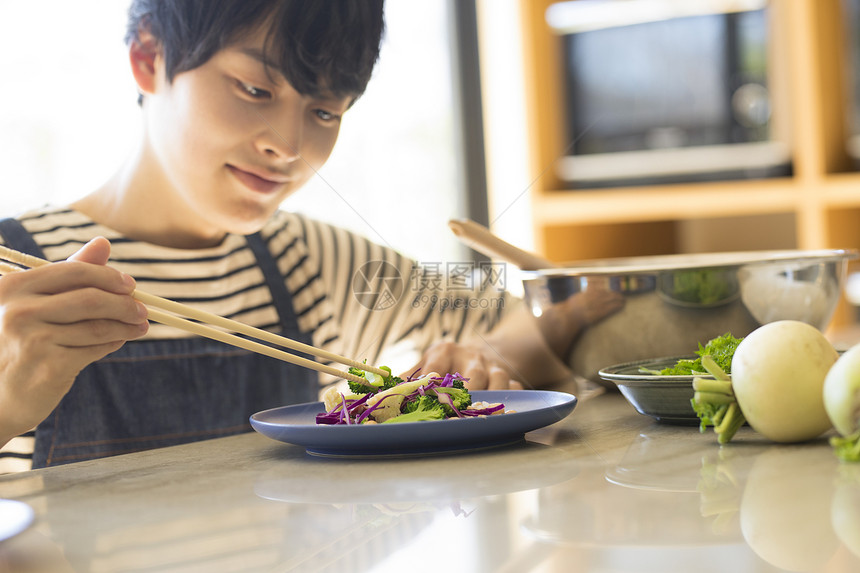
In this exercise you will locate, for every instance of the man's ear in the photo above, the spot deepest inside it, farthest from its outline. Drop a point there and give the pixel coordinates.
(143, 54)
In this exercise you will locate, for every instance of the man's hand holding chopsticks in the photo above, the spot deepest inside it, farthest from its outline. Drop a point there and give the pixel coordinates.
(54, 321)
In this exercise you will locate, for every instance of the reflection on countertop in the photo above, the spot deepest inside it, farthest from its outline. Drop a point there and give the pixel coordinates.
(604, 490)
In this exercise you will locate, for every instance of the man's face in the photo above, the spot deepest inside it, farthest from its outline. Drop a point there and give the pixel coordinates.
(232, 143)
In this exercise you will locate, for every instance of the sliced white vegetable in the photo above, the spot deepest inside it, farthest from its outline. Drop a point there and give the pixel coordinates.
(778, 373)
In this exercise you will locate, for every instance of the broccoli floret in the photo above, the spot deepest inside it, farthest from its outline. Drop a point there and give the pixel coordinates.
(391, 382)
(425, 402)
(366, 385)
(459, 396)
(420, 410)
(372, 382)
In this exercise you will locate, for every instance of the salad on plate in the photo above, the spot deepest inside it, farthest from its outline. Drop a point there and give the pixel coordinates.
(391, 400)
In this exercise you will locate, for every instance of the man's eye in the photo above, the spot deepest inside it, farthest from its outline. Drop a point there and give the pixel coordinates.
(326, 115)
(255, 92)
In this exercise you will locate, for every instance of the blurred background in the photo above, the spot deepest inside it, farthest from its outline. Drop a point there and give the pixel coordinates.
(692, 127)
(579, 129)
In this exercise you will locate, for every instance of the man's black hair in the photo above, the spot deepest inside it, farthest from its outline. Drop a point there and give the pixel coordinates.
(320, 46)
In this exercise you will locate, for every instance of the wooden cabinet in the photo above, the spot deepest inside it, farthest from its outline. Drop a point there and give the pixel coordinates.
(818, 206)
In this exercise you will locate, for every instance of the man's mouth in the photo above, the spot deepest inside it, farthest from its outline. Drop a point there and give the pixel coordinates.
(257, 180)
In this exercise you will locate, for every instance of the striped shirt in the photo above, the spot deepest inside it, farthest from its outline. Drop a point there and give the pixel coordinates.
(355, 297)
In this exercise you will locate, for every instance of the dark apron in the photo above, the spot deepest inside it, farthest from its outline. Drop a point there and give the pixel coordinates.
(152, 394)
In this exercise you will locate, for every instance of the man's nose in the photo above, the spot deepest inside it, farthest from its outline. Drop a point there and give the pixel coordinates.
(283, 134)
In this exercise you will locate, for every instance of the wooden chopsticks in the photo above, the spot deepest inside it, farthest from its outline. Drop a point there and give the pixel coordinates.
(201, 328)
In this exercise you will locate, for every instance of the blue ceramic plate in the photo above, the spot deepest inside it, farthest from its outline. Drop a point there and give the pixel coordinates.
(533, 409)
(15, 517)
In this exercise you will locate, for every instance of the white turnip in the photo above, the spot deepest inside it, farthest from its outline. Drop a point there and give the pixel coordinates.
(842, 403)
(778, 374)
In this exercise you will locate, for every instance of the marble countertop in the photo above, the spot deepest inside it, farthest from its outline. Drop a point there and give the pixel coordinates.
(605, 490)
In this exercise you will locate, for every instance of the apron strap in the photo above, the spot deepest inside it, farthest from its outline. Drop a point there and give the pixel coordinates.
(17, 237)
(281, 297)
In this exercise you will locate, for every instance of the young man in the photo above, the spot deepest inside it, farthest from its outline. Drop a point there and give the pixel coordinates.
(241, 103)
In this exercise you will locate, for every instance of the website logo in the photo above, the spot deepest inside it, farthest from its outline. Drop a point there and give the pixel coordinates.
(378, 285)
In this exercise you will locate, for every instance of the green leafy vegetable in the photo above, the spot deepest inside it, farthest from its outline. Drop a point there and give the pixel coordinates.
(713, 400)
(720, 349)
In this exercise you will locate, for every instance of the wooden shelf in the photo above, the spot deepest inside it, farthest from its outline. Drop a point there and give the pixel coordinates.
(821, 198)
(682, 201)
(697, 201)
